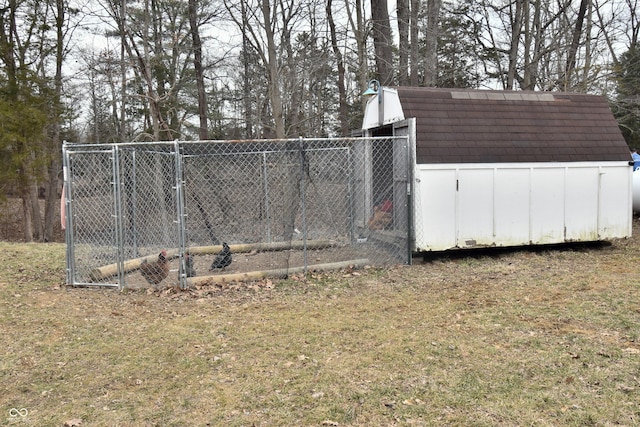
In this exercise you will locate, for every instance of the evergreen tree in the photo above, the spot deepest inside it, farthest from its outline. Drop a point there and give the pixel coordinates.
(627, 105)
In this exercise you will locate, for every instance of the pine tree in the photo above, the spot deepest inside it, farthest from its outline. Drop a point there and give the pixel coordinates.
(627, 106)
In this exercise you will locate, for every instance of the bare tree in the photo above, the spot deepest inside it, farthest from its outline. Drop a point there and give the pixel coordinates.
(342, 99)
(382, 41)
(54, 166)
(414, 17)
(197, 65)
(259, 34)
(358, 28)
(431, 50)
(404, 47)
(564, 81)
(540, 44)
(272, 69)
(159, 45)
(516, 17)
(408, 12)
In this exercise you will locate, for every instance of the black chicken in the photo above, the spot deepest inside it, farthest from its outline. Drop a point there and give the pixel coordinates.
(223, 259)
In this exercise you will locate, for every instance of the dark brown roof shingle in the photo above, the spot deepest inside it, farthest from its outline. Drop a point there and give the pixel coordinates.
(469, 126)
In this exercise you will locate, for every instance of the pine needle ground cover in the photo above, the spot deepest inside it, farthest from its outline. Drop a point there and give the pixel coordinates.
(516, 337)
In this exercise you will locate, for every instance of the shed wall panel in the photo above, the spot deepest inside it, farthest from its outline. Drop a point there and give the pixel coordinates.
(547, 205)
(436, 208)
(581, 203)
(475, 207)
(512, 207)
(464, 206)
(615, 204)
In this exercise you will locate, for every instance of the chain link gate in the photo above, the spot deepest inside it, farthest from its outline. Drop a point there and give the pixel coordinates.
(282, 206)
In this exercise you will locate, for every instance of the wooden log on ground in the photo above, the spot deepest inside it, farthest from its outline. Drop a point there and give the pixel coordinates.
(101, 273)
(106, 271)
(261, 247)
(276, 273)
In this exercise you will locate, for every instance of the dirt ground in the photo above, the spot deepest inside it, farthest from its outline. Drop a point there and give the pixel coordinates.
(11, 230)
(11, 226)
(250, 265)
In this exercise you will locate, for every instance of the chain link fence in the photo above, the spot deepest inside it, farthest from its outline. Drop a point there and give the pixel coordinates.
(282, 206)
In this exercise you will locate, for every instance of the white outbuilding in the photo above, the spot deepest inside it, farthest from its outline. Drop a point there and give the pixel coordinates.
(506, 168)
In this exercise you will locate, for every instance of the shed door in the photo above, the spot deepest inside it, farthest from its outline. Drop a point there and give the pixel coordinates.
(403, 154)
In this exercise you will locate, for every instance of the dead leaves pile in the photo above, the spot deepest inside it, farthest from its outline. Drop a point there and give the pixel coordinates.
(212, 289)
(260, 286)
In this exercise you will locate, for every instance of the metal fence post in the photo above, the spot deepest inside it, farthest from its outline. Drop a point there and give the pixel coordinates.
(132, 203)
(68, 219)
(181, 215)
(265, 184)
(303, 166)
(350, 187)
(410, 203)
(117, 212)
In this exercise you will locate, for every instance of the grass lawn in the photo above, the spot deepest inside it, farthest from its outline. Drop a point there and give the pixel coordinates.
(511, 338)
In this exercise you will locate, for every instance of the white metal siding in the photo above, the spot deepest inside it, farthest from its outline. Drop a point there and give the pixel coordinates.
(547, 205)
(581, 204)
(436, 209)
(511, 205)
(475, 205)
(614, 221)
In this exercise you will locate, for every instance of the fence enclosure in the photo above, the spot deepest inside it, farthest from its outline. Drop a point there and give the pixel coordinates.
(282, 205)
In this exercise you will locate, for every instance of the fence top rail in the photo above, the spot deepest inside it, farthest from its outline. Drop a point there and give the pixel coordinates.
(105, 146)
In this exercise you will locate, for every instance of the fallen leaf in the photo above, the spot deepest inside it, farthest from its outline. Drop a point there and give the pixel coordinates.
(625, 388)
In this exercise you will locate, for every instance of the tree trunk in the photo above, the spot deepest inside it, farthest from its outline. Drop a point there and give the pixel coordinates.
(51, 195)
(272, 69)
(382, 41)
(36, 218)
(27, 217)
(197, 65)
(404, 47)
(123, 70)
(431, 51)
(358, 28)
(246, 79)
(52, 201)
(516, 31)
(342, 92)
(566, 82)
(588, 55)
(532, 43)
(413, 30)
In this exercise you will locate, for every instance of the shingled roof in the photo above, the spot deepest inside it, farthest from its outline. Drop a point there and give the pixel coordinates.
(482, 126)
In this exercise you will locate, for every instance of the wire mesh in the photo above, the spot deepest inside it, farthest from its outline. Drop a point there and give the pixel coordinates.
(281, 206)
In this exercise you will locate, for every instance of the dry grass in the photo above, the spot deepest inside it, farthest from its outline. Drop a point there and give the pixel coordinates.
(544, 338)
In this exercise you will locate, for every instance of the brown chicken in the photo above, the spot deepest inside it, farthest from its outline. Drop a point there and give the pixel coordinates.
(155, 272)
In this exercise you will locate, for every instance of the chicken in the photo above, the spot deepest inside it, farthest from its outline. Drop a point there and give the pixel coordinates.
(156, 271)
(380, 219)
(223, 259)
(190, 269)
